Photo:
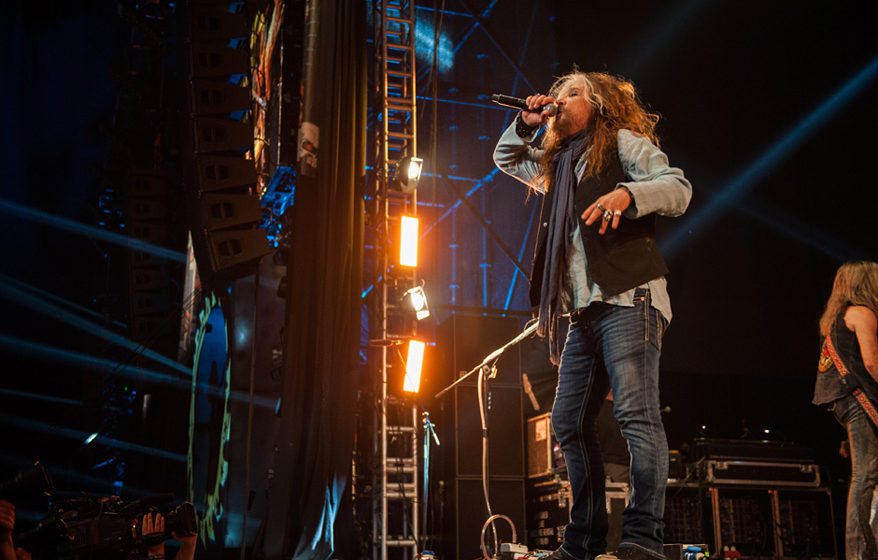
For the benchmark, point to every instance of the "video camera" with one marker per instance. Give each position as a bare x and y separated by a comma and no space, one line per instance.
105,527
26,485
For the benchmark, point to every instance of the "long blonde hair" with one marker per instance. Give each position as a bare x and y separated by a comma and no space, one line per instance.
856,283
615,105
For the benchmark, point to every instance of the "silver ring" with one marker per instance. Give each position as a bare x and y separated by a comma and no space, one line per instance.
601,208
617,212
608,215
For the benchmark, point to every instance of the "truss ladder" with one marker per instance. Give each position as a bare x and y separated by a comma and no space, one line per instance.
396,500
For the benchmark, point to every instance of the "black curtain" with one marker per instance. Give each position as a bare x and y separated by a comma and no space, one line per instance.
325,273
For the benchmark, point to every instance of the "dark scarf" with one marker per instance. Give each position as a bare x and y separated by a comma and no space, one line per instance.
561,225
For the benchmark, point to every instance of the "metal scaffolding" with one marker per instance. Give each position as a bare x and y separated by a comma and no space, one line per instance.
465,224
395,504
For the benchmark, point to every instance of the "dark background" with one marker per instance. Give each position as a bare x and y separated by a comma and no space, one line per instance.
767,107
733,81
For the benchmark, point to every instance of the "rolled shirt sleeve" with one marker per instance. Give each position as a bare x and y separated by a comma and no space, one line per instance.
516,157
654,184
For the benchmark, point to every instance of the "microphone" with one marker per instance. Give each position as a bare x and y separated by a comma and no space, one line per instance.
519,103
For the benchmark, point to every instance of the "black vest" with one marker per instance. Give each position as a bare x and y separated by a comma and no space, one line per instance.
847,345
617,261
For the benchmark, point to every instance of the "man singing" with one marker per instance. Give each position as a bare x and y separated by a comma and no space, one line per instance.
604,180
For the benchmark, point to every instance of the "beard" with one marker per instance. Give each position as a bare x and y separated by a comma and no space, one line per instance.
563,127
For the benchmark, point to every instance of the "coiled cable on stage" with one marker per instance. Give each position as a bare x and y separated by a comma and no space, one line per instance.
490,521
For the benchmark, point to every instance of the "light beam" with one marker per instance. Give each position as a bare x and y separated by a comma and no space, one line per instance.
757,170
90,231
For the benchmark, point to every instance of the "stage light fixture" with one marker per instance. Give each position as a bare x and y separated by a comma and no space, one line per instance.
413,363
408,241
408,173
416,299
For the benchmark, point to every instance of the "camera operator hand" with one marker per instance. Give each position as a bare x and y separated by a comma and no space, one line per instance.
153,525
187,548
151,528
7,524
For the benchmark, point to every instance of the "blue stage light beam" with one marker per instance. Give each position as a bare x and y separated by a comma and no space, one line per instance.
12,292
64,472
738,186
61,301
125,371
87,362
824,242
93,363
79,435
425,43
469,14
37,397
659,36
446,11
93,232
828,244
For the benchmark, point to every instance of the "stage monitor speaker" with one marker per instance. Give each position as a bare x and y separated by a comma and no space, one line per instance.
507,498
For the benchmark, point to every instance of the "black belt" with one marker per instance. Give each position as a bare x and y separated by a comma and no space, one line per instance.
578,314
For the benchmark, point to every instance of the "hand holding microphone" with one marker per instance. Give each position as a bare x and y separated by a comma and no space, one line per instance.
535,110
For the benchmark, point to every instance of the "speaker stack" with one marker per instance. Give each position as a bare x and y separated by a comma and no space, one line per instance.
223,201
737,499
465,341
741,499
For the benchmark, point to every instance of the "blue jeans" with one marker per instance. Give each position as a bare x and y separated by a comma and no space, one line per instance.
618,348
860,537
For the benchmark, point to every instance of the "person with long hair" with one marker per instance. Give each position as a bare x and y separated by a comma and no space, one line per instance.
847,382
603,179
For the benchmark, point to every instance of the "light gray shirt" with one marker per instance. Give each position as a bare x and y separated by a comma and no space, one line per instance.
654,186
